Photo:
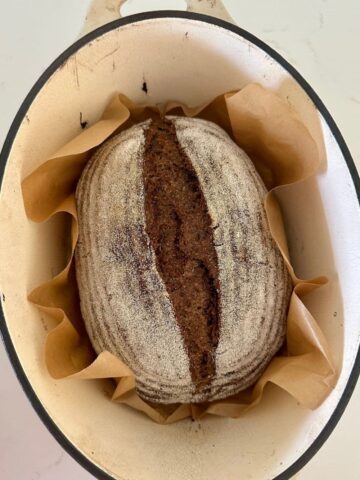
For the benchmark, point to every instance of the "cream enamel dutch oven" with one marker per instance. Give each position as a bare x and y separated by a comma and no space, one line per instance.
189,57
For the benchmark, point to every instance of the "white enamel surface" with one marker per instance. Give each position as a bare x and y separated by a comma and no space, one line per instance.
263,443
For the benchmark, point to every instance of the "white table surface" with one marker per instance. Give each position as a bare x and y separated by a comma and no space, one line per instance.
321,38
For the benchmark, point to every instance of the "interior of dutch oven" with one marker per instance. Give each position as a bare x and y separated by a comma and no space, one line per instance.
189,61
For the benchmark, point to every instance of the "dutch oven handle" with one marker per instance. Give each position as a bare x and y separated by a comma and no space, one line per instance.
104,11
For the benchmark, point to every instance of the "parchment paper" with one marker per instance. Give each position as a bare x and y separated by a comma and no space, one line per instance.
283,152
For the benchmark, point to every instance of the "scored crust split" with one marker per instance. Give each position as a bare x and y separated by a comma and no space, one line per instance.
178,273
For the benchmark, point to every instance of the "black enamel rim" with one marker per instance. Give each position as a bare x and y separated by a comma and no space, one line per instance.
36,403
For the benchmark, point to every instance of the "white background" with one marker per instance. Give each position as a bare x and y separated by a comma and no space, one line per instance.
321,38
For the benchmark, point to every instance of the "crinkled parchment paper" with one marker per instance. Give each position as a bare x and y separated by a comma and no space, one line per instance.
283,152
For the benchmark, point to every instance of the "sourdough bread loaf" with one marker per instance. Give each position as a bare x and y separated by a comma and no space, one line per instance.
177,271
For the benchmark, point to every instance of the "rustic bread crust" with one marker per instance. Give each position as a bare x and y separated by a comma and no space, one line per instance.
126,307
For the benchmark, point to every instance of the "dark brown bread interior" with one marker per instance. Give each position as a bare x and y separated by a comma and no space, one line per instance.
179,227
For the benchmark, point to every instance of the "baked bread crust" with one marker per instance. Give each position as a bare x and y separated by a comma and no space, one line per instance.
126,304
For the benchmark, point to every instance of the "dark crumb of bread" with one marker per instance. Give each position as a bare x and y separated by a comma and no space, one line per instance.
179,227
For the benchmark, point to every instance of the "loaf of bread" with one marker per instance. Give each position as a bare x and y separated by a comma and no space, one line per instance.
177,271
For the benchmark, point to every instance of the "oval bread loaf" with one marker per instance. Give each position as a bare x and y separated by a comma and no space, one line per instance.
177,271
